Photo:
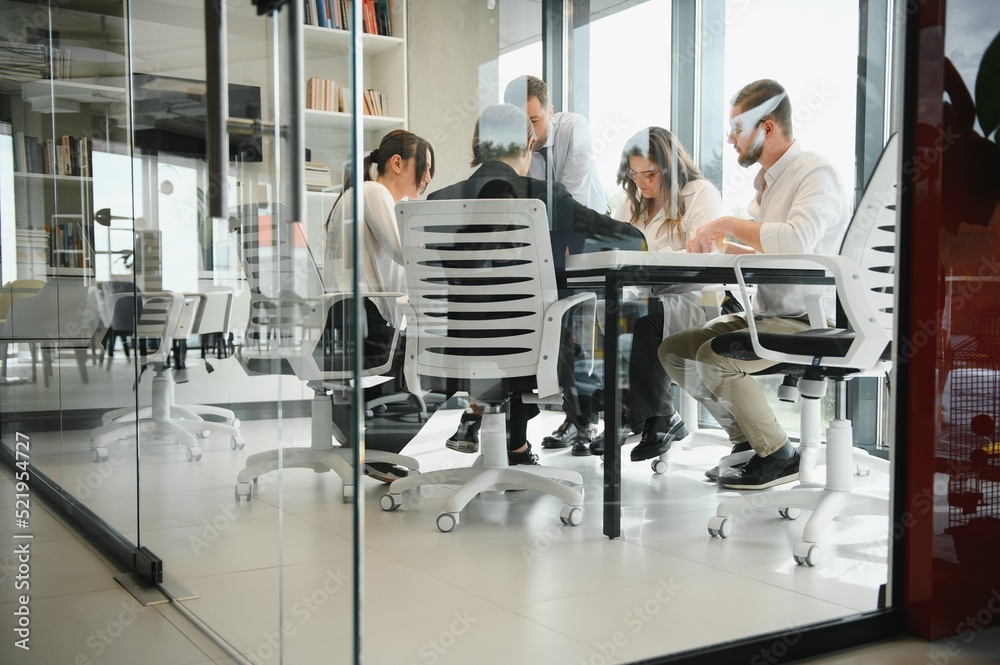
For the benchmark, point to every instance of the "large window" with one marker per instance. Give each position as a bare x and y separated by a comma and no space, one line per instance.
630,53
818,68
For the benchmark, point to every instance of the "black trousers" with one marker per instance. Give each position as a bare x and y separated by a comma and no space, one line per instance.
576,407
389,430
649,385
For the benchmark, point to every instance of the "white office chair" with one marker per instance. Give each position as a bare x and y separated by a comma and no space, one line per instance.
288,316
164,316
209,314
864,279
11,291
483,316
63,314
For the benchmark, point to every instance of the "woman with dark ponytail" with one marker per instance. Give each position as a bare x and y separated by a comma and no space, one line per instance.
399,168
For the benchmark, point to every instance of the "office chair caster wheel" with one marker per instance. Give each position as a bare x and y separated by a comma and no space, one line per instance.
204,434
659,467
388,502
806,553
243,491
720,527
100,454
348,493
789,513
447,521
571,515
237,443
193,454
235,423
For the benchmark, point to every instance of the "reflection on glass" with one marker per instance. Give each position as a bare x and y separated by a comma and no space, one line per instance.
225,347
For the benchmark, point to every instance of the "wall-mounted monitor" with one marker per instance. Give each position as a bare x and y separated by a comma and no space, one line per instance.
170,117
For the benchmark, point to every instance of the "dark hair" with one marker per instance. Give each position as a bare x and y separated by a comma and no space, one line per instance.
397,142
502,130
523,88
677,169
754,94
406,145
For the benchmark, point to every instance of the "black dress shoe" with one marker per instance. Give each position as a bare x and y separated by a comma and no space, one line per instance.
658,434
761,472
584,441
563,437
466,437
525,457
597,444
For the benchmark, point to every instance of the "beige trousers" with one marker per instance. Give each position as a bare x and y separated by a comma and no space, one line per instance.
724,385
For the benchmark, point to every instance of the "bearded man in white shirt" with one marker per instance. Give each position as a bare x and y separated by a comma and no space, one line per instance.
800,207
563,150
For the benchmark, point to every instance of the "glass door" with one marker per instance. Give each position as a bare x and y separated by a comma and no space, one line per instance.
68,368
254,514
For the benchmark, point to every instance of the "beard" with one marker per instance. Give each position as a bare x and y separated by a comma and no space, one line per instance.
753,153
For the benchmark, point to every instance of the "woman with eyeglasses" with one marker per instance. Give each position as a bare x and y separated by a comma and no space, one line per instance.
667,198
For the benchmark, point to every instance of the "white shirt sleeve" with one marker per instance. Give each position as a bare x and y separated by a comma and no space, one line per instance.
703,205
380,218
815,209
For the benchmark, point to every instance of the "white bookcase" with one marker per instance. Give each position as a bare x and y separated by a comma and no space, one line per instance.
328,133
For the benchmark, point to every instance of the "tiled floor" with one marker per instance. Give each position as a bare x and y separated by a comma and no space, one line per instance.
510,584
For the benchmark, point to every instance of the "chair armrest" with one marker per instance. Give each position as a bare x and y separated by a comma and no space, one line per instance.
303,360
410,374
870,338
814,309
547,377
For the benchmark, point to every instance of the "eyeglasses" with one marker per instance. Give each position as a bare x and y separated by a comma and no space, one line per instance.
642,176
737,128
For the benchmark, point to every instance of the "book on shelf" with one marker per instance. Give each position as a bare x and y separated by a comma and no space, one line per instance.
375,102
65,156
336,14
67,243
32,253
20,62
318,177
324,95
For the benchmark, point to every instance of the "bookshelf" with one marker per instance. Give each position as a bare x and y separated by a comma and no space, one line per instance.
60,109
328,132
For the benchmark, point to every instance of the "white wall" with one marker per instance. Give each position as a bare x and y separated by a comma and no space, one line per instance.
452,50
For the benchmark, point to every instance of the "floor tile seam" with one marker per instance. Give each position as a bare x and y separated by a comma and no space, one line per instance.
797,592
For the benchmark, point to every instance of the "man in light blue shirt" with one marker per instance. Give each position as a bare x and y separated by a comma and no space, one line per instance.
564,151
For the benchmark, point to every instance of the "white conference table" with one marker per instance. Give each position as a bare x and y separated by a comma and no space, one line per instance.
611,271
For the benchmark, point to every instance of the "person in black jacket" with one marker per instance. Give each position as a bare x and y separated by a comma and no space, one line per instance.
501,147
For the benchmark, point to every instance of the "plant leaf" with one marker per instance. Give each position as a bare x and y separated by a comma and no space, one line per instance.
988,88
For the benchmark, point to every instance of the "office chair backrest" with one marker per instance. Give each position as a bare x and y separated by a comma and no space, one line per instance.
870,240
213,315
280,278
119,313
480,278
162,317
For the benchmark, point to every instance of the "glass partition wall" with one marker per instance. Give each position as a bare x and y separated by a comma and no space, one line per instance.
66,253
268,353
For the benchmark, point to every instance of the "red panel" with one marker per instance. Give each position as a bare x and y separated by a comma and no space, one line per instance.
952,396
